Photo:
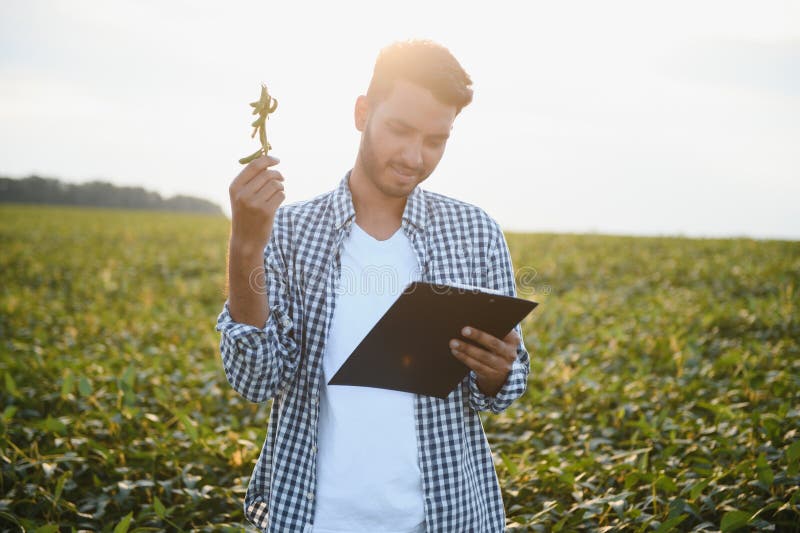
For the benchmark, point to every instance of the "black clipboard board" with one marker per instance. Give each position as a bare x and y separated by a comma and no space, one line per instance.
408,349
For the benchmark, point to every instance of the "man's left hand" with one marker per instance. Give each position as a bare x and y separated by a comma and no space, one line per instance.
492,361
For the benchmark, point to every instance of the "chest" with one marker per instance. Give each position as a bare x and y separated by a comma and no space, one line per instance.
321,270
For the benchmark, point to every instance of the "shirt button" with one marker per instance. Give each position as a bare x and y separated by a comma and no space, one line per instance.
310,495
313,449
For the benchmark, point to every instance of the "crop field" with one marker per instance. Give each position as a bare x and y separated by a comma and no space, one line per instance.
664,391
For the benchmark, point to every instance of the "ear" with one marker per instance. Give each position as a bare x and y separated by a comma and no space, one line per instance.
361,112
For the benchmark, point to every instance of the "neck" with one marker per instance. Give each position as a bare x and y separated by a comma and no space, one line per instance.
375,211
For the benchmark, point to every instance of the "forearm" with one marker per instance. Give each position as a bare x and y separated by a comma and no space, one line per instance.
247,292
260,354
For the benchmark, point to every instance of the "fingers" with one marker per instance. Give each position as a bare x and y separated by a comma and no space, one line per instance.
253,169
270,188
261,180
274,201
474,352
490,342
476,364
493,352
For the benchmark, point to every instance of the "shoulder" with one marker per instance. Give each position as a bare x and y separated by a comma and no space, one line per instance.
299,220
302,217
452,214
301,210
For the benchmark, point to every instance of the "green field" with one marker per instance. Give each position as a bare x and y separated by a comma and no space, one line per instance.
664,390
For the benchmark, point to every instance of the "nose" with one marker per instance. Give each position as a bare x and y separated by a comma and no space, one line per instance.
411,156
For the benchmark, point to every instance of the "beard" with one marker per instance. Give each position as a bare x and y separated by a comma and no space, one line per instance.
374,169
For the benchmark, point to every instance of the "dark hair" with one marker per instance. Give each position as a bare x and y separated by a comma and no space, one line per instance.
425,63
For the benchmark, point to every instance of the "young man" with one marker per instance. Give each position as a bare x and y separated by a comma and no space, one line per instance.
303,293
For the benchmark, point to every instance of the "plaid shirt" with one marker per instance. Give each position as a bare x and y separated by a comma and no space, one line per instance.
455,242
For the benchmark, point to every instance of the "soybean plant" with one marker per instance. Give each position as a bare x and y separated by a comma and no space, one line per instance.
265,105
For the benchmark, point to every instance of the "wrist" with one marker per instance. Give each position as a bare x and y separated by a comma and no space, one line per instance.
246,247
489,387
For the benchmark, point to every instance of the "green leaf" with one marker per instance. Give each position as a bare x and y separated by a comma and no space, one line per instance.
631,480
733,520
49,528
666,484
644,461
129,377
67,384
793,469
54,425
766,509
188,425
10,518
560,524
11,386
511,467
161,512
765,474
698,488
793,452
60,485
84,386
8,412
668,525
124,524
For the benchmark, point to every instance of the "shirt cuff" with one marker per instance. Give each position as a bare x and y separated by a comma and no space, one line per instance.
248,335
509,392
479,400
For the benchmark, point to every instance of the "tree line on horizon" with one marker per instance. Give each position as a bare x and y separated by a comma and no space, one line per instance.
39,190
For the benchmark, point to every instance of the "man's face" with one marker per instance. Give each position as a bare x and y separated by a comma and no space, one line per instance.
403,138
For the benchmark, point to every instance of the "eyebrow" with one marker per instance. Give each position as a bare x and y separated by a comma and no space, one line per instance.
406,125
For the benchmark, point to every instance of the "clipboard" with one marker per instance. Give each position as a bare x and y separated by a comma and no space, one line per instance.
408,349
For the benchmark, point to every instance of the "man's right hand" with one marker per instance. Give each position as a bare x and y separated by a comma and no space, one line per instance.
255,195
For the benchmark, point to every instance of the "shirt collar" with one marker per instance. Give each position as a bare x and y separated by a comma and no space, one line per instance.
342,205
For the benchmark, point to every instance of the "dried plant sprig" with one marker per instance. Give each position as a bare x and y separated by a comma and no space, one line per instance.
265,105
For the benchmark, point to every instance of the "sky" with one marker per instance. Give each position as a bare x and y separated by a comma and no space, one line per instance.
634,118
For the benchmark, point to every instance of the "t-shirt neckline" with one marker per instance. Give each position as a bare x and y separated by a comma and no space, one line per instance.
373,239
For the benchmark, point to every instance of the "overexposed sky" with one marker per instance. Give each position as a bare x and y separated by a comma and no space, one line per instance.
613,117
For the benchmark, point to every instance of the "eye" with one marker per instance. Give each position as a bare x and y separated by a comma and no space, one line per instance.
397,129
436,144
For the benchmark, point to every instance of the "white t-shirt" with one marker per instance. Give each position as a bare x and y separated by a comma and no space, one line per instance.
368,476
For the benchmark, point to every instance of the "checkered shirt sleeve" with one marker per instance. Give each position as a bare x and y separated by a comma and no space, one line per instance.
260,362
500,276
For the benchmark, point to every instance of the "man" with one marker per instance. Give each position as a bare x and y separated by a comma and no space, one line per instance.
302,296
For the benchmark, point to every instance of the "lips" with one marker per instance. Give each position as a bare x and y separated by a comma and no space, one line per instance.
404,172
